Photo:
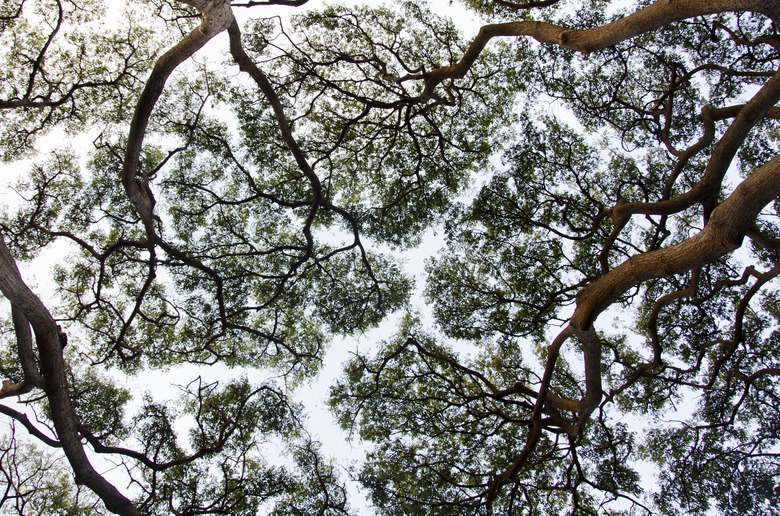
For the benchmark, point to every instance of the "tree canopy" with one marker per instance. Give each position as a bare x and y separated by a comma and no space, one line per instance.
206,198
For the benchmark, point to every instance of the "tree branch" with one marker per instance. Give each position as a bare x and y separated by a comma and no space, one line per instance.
53,370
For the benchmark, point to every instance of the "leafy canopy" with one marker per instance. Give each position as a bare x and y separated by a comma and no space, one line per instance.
219,220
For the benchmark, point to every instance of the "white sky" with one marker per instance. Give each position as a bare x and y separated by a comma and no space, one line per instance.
314,395
321,423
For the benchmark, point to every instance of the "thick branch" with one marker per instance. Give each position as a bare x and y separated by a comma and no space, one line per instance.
53,370
216,17
24,347
724,232
289,3
732,111
649,19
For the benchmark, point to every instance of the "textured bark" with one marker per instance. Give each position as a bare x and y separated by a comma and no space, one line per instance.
53,371
649,19
724,232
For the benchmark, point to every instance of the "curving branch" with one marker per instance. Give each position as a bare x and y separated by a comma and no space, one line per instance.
553,351
53,371
728,225
649,19
247,65
216,16
708,188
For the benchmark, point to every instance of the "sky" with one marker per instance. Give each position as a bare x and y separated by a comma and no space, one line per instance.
314,394
336,443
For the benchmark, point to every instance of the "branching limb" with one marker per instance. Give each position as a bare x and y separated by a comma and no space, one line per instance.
215,20
649,19
553,350
728,224
53,371
706,191
246,64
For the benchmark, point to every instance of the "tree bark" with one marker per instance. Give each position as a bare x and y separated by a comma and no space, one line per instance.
649,19
53,371
726,228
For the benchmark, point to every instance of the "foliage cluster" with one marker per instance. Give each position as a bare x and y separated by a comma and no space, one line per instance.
584,160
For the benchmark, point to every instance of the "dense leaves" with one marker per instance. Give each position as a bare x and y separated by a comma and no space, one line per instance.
574,198
200,211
